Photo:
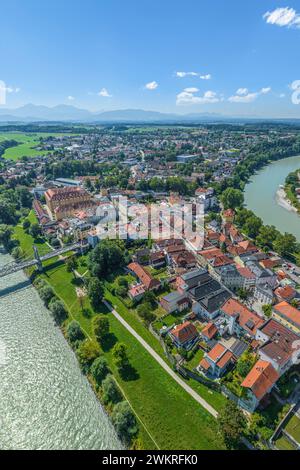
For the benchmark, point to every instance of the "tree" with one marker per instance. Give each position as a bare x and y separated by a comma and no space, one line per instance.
120,356
106,258
111,392
100,328
46,293
87,352
124,421
232,424
99,369
35,230
58,310
285,245
252,226
245,363
95,292
145,311
267,235
72,264
74,332
232,198
26,224
25,197
5,235
17,253
267,309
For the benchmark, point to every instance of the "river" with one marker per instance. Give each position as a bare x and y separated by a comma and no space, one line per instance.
45,401
261,196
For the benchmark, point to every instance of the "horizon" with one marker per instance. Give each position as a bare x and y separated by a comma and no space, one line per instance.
230,60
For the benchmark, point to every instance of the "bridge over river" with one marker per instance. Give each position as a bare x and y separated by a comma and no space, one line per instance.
14,267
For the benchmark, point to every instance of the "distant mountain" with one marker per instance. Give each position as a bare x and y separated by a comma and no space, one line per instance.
33,113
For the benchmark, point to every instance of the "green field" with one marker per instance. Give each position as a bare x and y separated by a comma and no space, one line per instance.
27,144
284,444
171,418
26,240
293,428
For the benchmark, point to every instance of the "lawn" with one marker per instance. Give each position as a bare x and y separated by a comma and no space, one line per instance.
284,444
194,362
293,428
27,241
170,415
27,144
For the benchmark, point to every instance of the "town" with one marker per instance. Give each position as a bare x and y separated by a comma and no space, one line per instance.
224,310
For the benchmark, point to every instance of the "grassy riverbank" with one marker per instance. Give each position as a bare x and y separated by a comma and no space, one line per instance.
169,418
292,182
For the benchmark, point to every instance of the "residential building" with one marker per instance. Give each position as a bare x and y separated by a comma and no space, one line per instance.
259,382
288,316
145,278
175,302
241,320
216,362
63,202
184,335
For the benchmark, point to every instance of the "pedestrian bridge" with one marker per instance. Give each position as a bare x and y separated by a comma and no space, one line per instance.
14,267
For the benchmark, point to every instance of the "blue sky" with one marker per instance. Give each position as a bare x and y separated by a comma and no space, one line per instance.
101,54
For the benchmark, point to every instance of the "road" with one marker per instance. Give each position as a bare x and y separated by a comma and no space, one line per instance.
163,364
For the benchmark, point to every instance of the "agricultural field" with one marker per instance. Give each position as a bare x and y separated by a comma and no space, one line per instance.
27,144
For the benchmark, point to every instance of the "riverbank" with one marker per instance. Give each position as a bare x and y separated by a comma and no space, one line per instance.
152,394
262,198
283,201
45,401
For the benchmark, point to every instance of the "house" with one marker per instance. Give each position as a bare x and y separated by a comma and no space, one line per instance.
208,305
280,345
157,259
229,215
145,278
184,259
258,383
262,275
191,279
142,256
241,320
175,301
184,335
136,293
216,362
286,293
288,316
264,294
209,331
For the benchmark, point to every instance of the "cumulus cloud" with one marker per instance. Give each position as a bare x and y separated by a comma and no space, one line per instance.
283,17
104,93
244,96
193,74
151,85
71,98
188,96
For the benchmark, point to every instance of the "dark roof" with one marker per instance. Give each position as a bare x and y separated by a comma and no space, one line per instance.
205,289
214,301
281,341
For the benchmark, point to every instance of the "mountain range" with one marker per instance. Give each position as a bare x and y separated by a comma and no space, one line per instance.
33,113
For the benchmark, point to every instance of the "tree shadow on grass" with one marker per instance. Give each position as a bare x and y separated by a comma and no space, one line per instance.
129,374
108,342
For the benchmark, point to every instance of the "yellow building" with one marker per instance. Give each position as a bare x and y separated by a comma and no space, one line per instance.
288,316
63,202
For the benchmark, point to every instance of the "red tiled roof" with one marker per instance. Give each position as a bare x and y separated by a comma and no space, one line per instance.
204,364
225,359
261,378
210,330
184,332
216,352
289,312
146,279
286,292
244,315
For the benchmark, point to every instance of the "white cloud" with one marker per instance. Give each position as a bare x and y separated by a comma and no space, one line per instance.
193,74
187,96
151,85
244,96
10,89
206,77
104,93
242,91
283,17
71,98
